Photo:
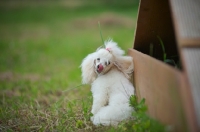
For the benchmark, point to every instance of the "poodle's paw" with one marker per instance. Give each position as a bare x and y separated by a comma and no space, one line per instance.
95,109
92,118
97,120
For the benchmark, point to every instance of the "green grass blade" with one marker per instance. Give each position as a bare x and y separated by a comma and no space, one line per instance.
163,48
100,32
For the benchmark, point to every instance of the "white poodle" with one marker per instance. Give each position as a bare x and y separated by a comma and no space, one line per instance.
108,72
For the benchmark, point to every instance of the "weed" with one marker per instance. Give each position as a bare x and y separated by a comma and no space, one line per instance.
140,121
167,59
101,33
163,48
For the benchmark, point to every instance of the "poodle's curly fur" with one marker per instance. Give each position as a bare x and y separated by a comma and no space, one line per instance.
108,72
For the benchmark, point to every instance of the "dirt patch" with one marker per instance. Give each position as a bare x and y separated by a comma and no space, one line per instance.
106,20
10,76
6,76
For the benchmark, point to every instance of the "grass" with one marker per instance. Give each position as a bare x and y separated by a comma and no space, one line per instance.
167,59
42,45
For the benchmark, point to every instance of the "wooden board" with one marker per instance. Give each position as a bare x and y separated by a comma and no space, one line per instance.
160,85
186,17
192,67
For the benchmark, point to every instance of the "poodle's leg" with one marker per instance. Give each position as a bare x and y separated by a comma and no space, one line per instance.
98,102
112,114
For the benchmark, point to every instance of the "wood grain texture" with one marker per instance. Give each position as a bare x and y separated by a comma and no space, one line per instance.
192,67
186,17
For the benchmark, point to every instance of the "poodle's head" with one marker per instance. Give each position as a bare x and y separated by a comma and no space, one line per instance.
103,60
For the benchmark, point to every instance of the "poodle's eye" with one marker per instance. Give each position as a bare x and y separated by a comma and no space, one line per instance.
107,63
98,59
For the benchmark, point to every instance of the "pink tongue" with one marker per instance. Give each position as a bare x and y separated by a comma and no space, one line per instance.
100,68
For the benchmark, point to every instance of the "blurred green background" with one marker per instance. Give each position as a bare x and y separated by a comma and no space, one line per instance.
42,43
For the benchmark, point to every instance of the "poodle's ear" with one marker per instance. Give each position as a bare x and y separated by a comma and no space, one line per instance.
125,65
112,47
87,68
